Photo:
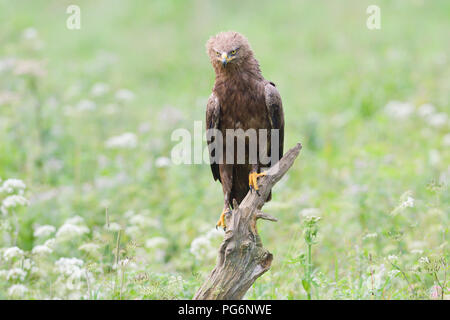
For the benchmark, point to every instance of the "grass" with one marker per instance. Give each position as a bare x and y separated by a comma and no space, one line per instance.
370,108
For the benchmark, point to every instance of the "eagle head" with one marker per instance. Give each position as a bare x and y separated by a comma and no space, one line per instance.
227,49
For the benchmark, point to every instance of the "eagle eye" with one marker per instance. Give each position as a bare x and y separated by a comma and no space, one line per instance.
233,52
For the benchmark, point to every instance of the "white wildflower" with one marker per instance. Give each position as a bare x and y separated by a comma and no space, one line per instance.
142,221
406,201
138,220
113,226
86,105
44,231
11,253
123,262
175,283
202,248
438,120
17,290
70,266
398,109
417,245
13,185
41,250
392,258
89,247
7,97
132,230
34,68
156,242
99,89
424,260
426,110
68,230
355,189
13,202
393,273
214,233
370,235
440,58
16,274
144,127
124,95
103,183
7,64
444,177
54,165
409,202
111,108
75,220
30,33
446,140
173,279
50,243
434,157
170,116
28,264
162,162
310,212
127,140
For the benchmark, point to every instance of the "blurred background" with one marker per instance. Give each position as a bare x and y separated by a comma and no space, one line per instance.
92,207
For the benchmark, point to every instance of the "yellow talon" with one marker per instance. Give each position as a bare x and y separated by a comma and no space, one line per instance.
221,222
253,180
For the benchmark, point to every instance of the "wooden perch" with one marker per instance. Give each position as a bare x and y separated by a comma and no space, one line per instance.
242,257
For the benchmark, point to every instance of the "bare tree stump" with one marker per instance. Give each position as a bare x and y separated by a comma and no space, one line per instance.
242,257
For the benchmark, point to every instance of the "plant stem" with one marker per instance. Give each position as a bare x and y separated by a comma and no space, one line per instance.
121,281
308,274
117,257
16,232
88,285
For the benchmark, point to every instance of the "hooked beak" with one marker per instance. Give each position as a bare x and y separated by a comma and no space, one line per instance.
224,59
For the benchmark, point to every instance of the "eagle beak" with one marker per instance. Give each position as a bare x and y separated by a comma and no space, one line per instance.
224,59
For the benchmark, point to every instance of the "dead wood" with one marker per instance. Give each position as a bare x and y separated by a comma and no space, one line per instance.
242,257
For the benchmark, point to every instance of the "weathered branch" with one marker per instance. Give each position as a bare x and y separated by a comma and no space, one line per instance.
242,258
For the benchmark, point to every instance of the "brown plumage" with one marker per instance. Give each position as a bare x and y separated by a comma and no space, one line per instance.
241,99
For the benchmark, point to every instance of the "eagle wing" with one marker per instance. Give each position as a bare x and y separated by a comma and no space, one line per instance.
275,112
212,122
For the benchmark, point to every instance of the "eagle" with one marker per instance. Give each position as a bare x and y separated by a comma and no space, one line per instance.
241,99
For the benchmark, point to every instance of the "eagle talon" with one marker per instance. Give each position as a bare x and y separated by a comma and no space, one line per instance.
253,181
221,222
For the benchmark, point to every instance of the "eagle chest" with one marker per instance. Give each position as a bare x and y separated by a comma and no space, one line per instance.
243,108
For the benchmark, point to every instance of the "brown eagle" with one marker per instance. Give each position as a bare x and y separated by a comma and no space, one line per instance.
241,99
